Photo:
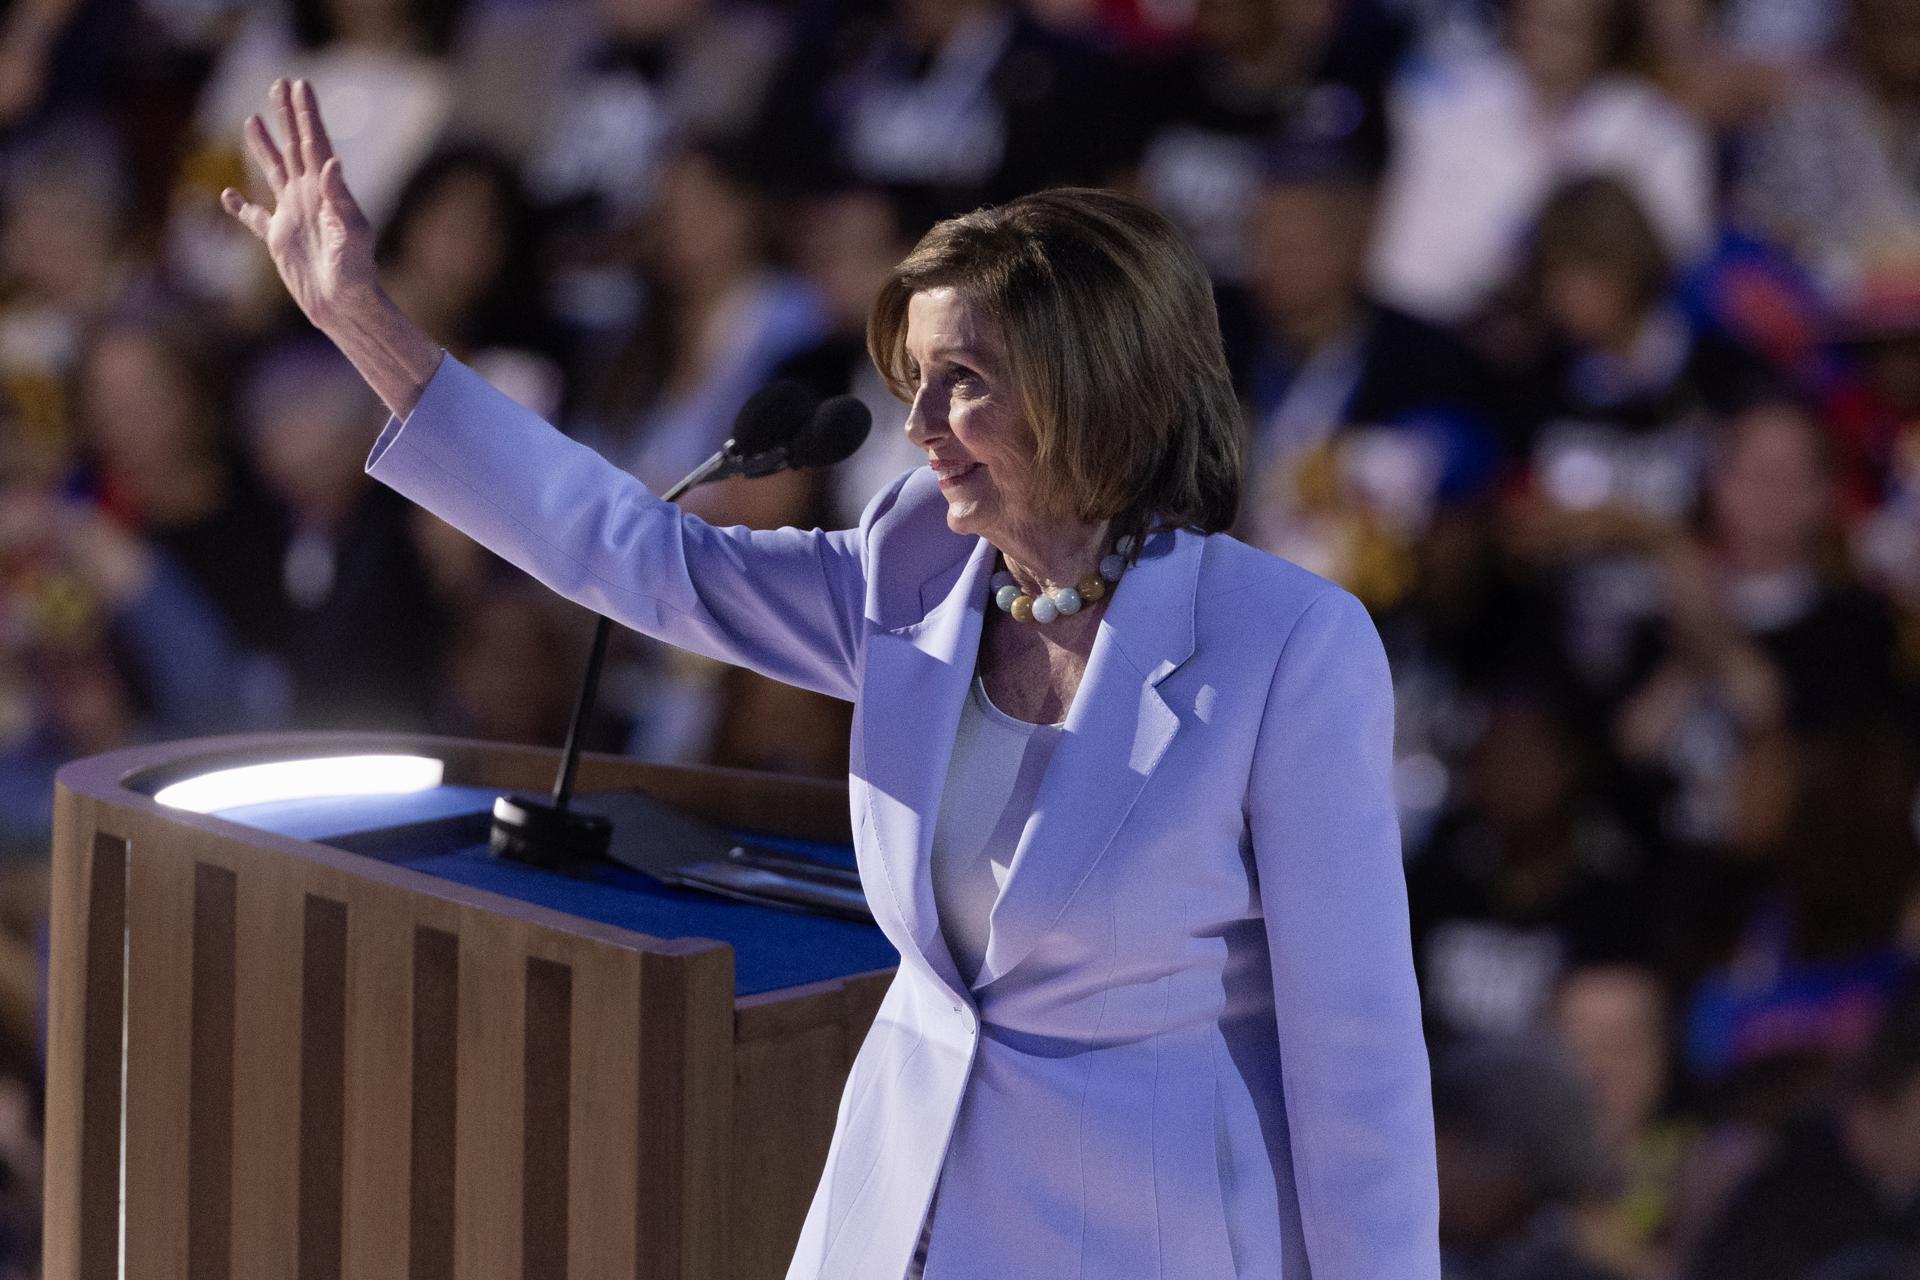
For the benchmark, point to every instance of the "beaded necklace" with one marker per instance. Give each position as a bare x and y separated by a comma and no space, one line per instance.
1061,601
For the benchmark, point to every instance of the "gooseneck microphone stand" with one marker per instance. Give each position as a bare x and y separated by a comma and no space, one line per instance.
778,429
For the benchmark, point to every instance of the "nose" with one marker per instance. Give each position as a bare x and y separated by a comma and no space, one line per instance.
924,422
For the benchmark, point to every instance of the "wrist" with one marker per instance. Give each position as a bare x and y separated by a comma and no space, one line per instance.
393,354
353,310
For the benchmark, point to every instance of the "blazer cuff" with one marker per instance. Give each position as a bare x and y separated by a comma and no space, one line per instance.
394,456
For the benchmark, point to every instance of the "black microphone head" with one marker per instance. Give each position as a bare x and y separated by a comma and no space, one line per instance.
836,429
771,417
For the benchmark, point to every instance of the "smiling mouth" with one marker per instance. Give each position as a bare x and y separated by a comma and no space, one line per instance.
951,471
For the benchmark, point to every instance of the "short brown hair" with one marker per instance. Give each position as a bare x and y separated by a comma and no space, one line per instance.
1597,220
1114,347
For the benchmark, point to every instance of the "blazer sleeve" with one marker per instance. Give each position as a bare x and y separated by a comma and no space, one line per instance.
1326,843
787,603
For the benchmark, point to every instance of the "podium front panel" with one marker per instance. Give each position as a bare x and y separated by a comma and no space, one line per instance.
416,1061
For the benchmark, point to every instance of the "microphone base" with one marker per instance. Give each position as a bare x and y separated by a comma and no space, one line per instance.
536,831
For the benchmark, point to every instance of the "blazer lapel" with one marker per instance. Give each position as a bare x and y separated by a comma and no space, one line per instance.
915,685
1117,730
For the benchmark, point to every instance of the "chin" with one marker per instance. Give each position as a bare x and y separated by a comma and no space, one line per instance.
964,517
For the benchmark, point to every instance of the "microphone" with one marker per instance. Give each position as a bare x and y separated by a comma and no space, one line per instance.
763,431
837,429
779,428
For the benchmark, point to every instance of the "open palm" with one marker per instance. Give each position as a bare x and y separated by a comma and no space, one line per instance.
320,241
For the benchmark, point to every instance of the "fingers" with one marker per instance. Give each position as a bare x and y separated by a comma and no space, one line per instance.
250,215
318,146
289,128
333,185
265,153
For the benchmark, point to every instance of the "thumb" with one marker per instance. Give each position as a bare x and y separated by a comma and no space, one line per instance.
250,215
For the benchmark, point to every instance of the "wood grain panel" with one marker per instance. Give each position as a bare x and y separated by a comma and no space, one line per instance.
605,1096
104,1055
547,1106
488,1151
87,970
210,1115
323,1086
792,1052
379,1101
436,1057
786,1096
159,1057
269,944
686,1110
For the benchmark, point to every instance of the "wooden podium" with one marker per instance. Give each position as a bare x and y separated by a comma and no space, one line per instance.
309,1063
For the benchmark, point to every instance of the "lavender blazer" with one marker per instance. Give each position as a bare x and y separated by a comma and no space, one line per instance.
1193,1050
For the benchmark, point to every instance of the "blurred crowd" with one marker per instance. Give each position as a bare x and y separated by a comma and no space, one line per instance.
1579,338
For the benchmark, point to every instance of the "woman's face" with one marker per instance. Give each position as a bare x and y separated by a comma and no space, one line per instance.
1591,303
1612,1022
377,23
139,411
966,415
1770,492
1309,243
1557,42
705,227
459,238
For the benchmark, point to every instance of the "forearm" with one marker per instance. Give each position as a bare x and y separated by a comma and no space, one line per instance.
392,353
786,603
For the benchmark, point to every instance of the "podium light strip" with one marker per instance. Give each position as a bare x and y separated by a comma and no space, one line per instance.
366,775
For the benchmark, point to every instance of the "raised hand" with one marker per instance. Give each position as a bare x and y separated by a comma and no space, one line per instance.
320,241
322,246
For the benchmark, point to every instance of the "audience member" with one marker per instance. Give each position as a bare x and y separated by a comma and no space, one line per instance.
1806,936
67,258
508,678
1258,74
380,66
1516,1154
1530,874
364,642
1844,1186
105,644
948,103
1613,391
1364,420
1480,140
1761,634
159,454
50,55
1612,1020
845,243
1832,171
461,253
720,317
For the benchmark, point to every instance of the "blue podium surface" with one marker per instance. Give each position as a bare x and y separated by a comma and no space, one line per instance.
442,832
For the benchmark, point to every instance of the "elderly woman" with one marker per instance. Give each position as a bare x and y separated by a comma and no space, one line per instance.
1120,784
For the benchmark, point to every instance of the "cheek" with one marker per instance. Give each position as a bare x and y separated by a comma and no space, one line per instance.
993,435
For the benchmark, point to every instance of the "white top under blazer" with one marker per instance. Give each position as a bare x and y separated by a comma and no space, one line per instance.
992,783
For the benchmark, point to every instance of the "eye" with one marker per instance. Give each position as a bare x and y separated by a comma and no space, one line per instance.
963,377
